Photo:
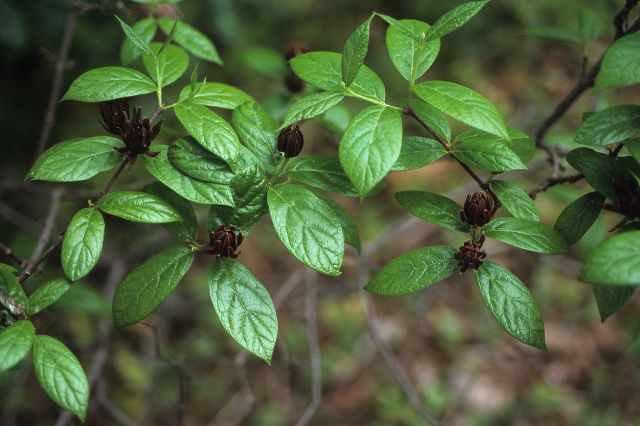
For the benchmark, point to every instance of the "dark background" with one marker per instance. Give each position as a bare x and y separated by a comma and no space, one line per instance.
463,366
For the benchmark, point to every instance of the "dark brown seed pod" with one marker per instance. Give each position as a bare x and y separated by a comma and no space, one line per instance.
290,141
478,209
224,242
470,255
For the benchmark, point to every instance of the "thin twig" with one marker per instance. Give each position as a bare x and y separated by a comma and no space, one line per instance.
7,251
40,252
115,176
411,113
56,86
311,303
116,414
551,182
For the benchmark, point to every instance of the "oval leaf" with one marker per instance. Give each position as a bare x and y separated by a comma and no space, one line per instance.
432,208
191,39
414,271
576,219
210,130
323,172
191,189
417,152
621,65
610,126
144,288
355,50
463,104
257,130
244,307
82,244
46,295
411,57
168,65
615,261
138,207
515,200
77,159
216,95
146,29
370,147
61,375
15,343
610,299
454,19
187,228
308,227
510,302
527,235
107,83
193,160
311,106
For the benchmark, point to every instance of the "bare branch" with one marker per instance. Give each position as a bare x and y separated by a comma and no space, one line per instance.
311,303
56,86
7,251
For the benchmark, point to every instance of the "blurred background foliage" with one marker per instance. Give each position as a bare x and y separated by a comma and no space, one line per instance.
463,366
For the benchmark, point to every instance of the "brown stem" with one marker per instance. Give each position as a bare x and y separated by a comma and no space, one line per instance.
56,86
411,113
551,182
115,176
156,113
7,251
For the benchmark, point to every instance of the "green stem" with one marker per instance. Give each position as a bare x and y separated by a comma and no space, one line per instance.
279,170
352,94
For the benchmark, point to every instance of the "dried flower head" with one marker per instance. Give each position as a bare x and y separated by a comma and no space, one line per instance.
290,141
224,242
478,209
114,114
470,255
137,134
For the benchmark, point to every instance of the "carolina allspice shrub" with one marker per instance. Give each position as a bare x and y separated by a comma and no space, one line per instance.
255,166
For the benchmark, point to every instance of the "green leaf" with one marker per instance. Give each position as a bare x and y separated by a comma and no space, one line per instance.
411,56
257,130
432,208
265,61
61,375
602,171
527,235
217,95
172,62
355,50
348,223
518,142
323,172
138,207
191,39
46,295
578,217
492,157
82,244
15,343
515,200
432,117
417,152
633,146
311,106
191,159
12,295
615,261
144,288
244,307
553,33
185,230
136,39
250,196
620,65
146,30
77,159
609,126
611,298
210,130
463,104
308,227
191,189
370,146
108,83
414,271
323,70
399,25
454,19
509,301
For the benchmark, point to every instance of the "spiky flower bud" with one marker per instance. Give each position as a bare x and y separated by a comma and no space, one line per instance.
470,255
478,209
290,141
224,242
114,114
